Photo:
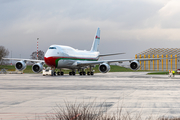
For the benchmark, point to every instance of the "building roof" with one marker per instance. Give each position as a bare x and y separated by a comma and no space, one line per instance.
160,52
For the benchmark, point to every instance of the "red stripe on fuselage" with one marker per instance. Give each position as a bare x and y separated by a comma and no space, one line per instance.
51,61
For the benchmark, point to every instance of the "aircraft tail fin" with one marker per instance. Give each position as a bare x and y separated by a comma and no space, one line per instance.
95,44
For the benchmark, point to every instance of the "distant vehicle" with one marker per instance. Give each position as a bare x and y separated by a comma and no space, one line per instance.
47,71
60,57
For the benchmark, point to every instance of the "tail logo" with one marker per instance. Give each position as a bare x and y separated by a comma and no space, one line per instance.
97,37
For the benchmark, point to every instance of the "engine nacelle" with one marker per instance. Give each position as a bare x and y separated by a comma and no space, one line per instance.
38,67
104,68
20,65
134,65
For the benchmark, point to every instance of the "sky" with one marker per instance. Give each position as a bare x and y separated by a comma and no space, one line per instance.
129,26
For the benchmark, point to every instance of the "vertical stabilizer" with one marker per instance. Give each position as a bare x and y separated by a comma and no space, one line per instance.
96,41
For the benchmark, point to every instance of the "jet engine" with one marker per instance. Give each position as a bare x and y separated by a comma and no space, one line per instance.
20,65
134,65
38,67
104,68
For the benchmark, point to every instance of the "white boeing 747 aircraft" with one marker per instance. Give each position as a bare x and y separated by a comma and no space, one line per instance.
59,56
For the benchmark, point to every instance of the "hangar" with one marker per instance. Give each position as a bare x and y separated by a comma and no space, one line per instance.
171,63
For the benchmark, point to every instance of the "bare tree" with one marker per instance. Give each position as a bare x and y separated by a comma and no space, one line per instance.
40,55
3,53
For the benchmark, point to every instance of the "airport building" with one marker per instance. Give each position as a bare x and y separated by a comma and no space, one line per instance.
171,63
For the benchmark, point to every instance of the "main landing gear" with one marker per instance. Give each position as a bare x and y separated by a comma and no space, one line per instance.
72,73
58,73
82,72
90,73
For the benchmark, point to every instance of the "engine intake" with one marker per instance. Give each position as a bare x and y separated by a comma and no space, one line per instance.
104,68
134,65
38,67
20,65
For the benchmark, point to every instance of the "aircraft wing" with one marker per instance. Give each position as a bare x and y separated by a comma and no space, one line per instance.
84,63
25,60
102,55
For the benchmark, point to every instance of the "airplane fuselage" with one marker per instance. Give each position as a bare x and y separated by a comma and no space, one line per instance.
59,56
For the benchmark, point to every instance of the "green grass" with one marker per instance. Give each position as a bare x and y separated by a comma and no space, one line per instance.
159,73
8,67
12,68
114,68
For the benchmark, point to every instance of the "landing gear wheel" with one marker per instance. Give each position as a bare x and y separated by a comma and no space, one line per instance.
92,73
80,73
84,73
54,73
73,73
70,73
88,73
62,73
58,73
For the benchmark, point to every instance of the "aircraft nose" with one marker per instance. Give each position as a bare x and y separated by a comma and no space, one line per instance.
50,61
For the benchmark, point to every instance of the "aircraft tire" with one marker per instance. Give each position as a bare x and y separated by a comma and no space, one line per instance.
70,73
73,73
54,73
62,73
58,73
92,73
88,73
84,73
80,73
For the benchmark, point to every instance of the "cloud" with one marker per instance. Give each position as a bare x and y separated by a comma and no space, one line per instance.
169,15
74,23
128,13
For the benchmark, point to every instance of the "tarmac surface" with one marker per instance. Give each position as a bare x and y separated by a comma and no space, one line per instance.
34,97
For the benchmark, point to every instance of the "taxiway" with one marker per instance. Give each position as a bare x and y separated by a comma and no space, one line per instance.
33,96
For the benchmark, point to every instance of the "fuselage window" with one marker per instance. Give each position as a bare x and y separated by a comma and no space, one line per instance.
52,47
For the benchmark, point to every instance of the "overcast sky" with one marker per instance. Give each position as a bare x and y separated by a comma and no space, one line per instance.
129,26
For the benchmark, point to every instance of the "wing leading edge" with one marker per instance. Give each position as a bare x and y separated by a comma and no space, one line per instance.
84,63
25,60
102,55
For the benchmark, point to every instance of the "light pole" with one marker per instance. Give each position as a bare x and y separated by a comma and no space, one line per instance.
37,48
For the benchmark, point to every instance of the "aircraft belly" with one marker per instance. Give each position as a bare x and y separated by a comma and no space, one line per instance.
65,63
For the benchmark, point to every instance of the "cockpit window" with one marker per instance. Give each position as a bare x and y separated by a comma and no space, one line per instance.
52,47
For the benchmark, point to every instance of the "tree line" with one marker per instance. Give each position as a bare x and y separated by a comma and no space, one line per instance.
5,53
